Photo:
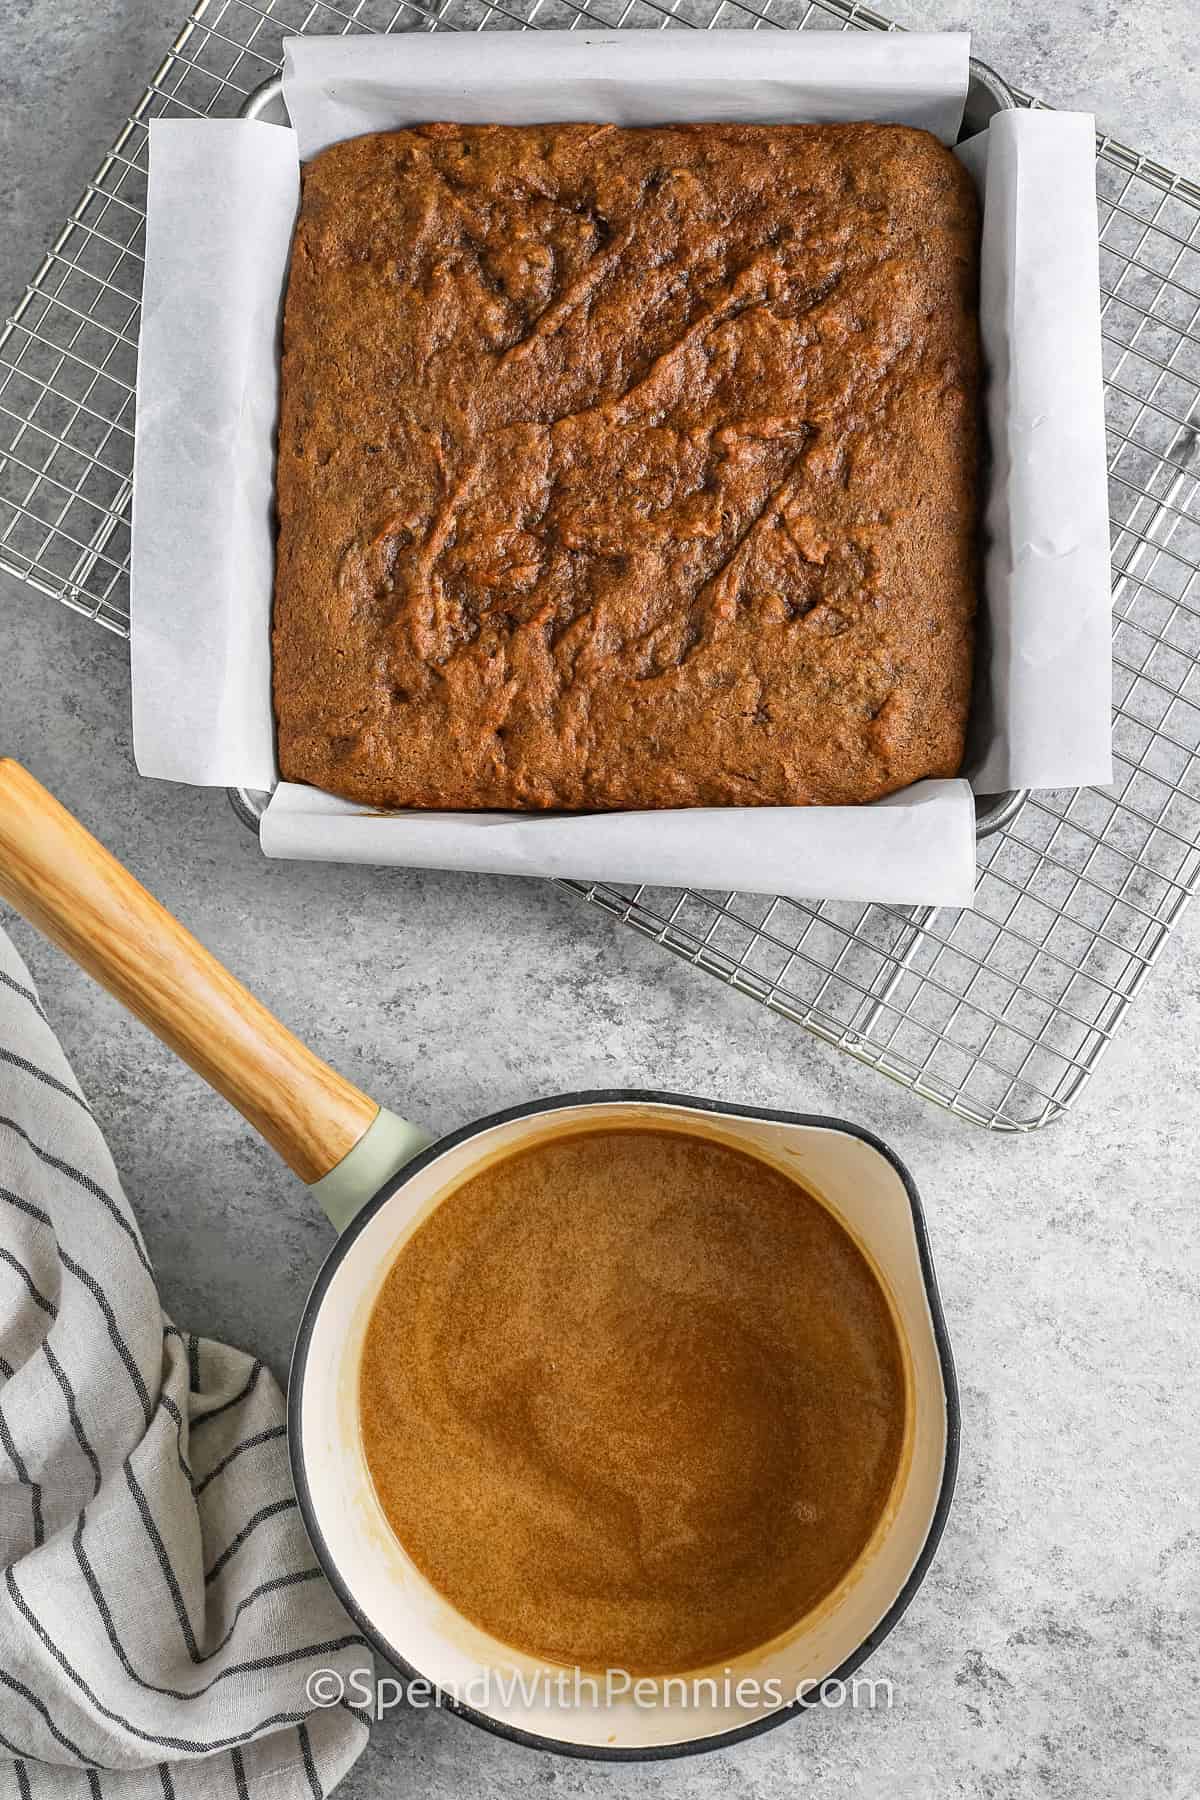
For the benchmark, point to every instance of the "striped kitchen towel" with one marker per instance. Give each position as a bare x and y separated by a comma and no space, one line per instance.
161,1611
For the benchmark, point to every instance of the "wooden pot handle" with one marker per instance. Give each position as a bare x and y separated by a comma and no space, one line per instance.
64,882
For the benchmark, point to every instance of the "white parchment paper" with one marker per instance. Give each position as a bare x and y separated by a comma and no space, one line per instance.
341,87
1045,698
759,849
220,211
203,536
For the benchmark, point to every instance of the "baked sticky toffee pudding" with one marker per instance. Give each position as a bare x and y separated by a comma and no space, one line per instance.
626,467
633,1399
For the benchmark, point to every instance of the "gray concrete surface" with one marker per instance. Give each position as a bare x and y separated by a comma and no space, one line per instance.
1052,1649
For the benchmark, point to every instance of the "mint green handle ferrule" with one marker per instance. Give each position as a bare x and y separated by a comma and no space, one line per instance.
384,1147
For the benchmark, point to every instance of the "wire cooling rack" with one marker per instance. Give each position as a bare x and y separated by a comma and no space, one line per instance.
999,1014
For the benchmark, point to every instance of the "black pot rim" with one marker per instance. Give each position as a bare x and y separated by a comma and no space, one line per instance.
635,1096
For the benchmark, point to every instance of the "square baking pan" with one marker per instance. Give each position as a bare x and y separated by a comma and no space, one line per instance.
987,95
999,1014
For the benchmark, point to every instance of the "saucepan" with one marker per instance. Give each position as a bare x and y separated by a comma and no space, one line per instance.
378,1178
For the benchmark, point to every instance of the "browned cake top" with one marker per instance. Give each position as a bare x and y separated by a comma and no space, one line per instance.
626,468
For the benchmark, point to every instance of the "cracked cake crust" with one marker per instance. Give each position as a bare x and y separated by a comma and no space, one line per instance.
628,467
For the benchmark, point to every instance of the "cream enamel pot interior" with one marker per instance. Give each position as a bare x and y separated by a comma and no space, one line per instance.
379,1178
